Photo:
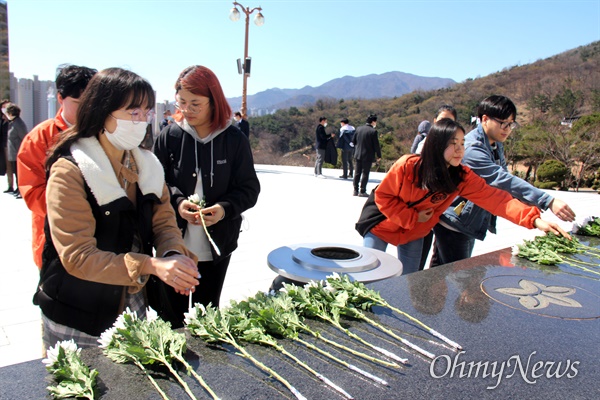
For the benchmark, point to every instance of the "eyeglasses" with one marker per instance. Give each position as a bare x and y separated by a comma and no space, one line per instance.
190,108
506,124
138,115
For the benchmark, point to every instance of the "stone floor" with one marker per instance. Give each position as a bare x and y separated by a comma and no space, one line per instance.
293,207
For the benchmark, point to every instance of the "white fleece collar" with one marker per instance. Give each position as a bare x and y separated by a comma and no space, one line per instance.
100,177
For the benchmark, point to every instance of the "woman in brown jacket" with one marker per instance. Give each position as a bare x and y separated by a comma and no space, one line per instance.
108,208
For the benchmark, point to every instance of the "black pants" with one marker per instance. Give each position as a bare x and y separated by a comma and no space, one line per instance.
171,305
347,165
450,246
361,174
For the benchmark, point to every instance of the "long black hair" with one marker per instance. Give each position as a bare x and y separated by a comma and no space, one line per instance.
108,91
432,170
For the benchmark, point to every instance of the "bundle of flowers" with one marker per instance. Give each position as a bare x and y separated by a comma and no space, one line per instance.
361,297
311,302
73,378
590,226
552,249
214,326
146,342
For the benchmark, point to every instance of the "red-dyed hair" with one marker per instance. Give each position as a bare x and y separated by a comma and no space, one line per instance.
201,81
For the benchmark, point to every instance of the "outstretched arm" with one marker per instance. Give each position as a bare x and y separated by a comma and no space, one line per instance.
546,226
562,210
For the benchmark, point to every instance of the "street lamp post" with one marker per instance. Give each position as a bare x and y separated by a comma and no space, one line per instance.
259,20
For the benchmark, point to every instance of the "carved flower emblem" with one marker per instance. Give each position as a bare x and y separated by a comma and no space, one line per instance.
535,296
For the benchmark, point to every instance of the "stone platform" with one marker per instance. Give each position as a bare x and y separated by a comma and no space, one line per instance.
527,331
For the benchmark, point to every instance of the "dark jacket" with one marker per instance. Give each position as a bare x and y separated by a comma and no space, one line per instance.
233,184
244,127
366,143
3,141
322,137
92,307
345,140
331,153
17,130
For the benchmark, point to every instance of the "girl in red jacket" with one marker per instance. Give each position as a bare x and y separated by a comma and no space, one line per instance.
417,190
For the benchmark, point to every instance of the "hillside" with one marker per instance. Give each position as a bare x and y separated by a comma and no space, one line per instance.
546,91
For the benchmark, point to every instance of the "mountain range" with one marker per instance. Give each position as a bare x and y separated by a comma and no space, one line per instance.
373,86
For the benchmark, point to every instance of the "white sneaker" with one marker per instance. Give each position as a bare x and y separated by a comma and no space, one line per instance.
321,176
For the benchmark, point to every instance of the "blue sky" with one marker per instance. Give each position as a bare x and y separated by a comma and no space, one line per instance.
301,43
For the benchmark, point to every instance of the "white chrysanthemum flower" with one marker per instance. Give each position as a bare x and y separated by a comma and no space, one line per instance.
51,355
329,288
120,322
106,337
335,276
194,198
576,227
515,250
151,314
311,284
283,290
189,316
69,345
587,220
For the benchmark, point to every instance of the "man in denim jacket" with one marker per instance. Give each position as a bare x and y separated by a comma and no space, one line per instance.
463,221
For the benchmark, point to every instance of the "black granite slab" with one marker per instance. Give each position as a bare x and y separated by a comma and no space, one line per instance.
534,332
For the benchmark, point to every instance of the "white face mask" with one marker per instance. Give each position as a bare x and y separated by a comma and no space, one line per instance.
127,135
325,124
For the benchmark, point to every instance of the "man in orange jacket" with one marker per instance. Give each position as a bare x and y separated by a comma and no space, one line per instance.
71,81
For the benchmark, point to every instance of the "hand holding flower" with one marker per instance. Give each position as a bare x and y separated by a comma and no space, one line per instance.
212,214
215,211
188,210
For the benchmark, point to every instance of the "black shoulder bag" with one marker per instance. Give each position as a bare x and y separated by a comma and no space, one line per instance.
371,216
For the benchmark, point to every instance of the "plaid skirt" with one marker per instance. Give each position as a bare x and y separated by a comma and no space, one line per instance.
53,332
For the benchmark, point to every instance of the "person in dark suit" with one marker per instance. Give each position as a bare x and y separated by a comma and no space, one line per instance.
242,123
366,147
16,133
4,164
322,139
345,144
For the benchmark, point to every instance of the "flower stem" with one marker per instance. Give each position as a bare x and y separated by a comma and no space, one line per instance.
248,356
214,245
397,337
582,267
427,328
344,363
356,353
361,340
315,373
577,261
198,377
154,383
181,381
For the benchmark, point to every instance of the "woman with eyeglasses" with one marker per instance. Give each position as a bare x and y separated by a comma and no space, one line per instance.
417,190
204,154
108,208
463,222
